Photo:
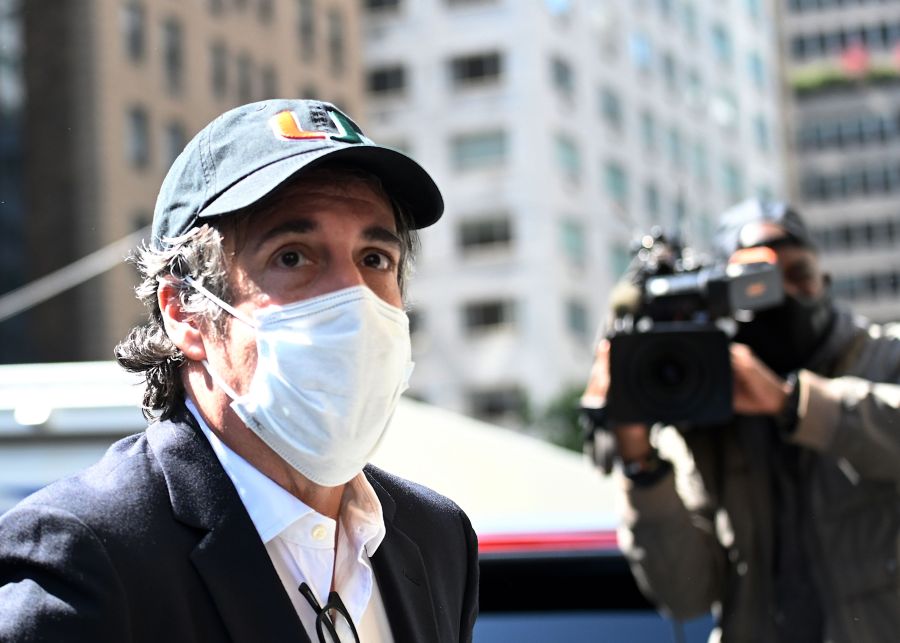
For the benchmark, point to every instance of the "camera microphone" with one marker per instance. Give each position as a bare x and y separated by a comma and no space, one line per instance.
625,299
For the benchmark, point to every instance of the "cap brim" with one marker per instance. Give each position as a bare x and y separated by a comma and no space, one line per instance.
403,179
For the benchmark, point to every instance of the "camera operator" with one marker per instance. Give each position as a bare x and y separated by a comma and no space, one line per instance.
785,521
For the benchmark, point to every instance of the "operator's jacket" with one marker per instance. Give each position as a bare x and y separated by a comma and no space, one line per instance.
705,535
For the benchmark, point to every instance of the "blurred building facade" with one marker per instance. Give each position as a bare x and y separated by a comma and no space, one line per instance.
842,65
108,93
12,207
558,130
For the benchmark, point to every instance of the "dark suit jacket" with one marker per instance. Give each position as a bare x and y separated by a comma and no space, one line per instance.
153,544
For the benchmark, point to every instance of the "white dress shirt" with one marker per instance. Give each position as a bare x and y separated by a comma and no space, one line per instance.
301,543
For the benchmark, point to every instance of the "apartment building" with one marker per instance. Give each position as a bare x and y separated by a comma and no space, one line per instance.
109,91
842,65
558,131
12,215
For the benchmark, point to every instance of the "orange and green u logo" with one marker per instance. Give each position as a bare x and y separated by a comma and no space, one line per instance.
285,124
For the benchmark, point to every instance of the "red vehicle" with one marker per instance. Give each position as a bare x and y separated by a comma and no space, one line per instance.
567,586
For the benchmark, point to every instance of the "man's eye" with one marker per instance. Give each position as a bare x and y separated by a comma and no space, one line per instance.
290,259
378,260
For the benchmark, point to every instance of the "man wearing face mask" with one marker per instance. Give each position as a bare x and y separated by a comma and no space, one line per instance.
274,356
786,522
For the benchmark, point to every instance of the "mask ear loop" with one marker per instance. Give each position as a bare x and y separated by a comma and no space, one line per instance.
234,312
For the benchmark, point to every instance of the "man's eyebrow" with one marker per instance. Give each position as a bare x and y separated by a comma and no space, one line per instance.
380,233
296,226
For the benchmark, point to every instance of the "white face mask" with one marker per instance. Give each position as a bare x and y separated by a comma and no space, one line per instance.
329,373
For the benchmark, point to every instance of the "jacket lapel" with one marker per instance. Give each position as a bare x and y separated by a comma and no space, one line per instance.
402,579
229,557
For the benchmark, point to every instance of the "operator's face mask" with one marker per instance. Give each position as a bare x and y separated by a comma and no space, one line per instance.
329,373
786,336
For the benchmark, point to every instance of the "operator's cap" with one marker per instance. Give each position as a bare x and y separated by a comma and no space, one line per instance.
734,225
249,151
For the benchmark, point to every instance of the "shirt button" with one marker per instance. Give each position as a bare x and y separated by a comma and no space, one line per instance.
319,532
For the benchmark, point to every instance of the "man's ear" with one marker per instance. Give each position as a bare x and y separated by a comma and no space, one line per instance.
183,329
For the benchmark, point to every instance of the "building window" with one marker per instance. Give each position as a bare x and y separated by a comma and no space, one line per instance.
853,182
132,18
401,145
477,151
651,199
498,404
175,142
754,9
563,77
577,319
761,134
757,70
386,81
640,50
489,315
138,139
724,109
269,81
694,88
616,181
245,78
336,42
620,258
721,44
679,212
574,245
173,55
491,233
306,28
308,91
141,220
218,56
732,181
648,130
382,5
265,11
689,19
476,69
568,158
854,130
670,71
675,147
416,320
611,108
700,162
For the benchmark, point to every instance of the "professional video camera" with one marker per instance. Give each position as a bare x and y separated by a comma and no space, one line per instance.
672,319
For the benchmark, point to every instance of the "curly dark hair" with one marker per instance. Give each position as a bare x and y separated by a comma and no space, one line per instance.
200,254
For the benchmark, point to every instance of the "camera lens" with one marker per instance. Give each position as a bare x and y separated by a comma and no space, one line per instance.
670,373
667,372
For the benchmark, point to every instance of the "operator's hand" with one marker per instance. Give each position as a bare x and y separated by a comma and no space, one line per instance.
757,390
632,440
594,395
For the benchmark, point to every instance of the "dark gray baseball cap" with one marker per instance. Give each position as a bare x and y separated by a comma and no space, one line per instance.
733,222
249,151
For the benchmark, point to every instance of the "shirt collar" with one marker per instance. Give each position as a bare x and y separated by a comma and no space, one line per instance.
273,509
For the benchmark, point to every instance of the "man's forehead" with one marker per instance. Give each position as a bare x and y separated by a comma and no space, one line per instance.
761,233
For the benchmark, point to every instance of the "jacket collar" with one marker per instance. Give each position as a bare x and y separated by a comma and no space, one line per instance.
229,555
846,328
235,566
401,574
